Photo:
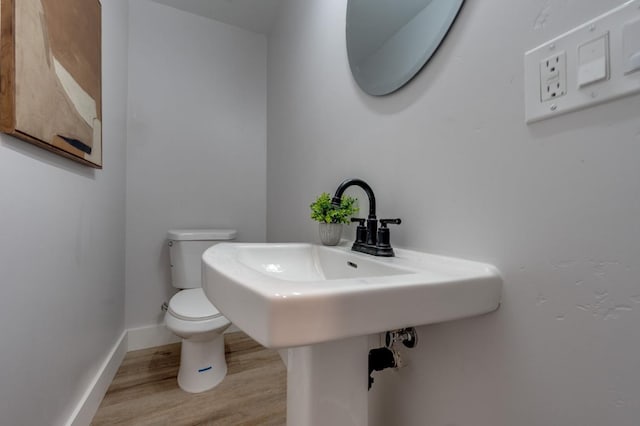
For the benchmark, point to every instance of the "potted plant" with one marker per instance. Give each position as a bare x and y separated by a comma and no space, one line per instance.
331,217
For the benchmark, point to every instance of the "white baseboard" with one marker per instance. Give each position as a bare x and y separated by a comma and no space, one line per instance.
149,337
232,329
131,340
90,401
156,335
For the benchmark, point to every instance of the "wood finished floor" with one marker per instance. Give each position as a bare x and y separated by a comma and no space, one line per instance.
145,389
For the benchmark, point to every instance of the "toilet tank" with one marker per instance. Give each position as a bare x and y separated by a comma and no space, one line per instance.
185,253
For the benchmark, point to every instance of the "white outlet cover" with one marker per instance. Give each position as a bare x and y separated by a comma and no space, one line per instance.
616,86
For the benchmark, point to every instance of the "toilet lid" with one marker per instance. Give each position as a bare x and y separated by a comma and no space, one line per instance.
192,305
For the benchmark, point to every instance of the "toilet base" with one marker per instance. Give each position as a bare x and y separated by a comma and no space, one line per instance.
202,364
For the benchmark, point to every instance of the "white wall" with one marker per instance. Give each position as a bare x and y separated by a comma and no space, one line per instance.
555,206
62,257
196,154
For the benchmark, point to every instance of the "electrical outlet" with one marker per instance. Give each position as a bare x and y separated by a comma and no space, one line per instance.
553,77
583,78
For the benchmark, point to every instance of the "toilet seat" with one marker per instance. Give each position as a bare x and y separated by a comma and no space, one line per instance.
192,305
191,316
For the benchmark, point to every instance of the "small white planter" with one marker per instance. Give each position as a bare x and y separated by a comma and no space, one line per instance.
330,233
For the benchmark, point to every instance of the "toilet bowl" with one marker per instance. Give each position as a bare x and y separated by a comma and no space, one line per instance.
191,316
201,326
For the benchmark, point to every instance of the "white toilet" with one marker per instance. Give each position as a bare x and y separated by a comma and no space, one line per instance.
191,315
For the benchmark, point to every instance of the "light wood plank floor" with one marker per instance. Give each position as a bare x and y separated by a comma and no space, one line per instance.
145,391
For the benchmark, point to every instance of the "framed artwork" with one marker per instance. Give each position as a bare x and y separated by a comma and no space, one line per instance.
50,75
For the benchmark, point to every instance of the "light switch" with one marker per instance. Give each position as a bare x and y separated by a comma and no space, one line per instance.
593,61
631,46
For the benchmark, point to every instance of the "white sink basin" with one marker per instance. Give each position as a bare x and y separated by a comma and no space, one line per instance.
287,295
322,302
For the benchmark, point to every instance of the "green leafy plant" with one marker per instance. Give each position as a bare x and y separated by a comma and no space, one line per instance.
323,211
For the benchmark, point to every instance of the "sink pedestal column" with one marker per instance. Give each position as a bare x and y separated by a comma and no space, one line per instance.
327,383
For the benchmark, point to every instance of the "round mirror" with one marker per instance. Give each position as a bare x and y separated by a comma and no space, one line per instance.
389,41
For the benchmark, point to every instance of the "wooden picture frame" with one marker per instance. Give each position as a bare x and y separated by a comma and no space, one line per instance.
51,76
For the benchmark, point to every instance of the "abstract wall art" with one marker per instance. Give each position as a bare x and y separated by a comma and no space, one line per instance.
50,76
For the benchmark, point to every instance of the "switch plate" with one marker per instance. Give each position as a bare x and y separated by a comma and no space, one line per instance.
590,88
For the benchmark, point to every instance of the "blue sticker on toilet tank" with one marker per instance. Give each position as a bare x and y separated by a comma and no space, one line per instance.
202,370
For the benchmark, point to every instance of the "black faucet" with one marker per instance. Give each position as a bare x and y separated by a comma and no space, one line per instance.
369,239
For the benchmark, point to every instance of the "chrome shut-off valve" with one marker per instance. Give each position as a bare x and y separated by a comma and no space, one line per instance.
388,356
407,336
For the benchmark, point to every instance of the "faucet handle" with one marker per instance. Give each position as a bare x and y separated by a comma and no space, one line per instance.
358,219
383,233
384,222
361,232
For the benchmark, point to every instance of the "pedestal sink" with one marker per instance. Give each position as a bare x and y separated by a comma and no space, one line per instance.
323,302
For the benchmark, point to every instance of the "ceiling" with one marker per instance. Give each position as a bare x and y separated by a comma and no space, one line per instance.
254,15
